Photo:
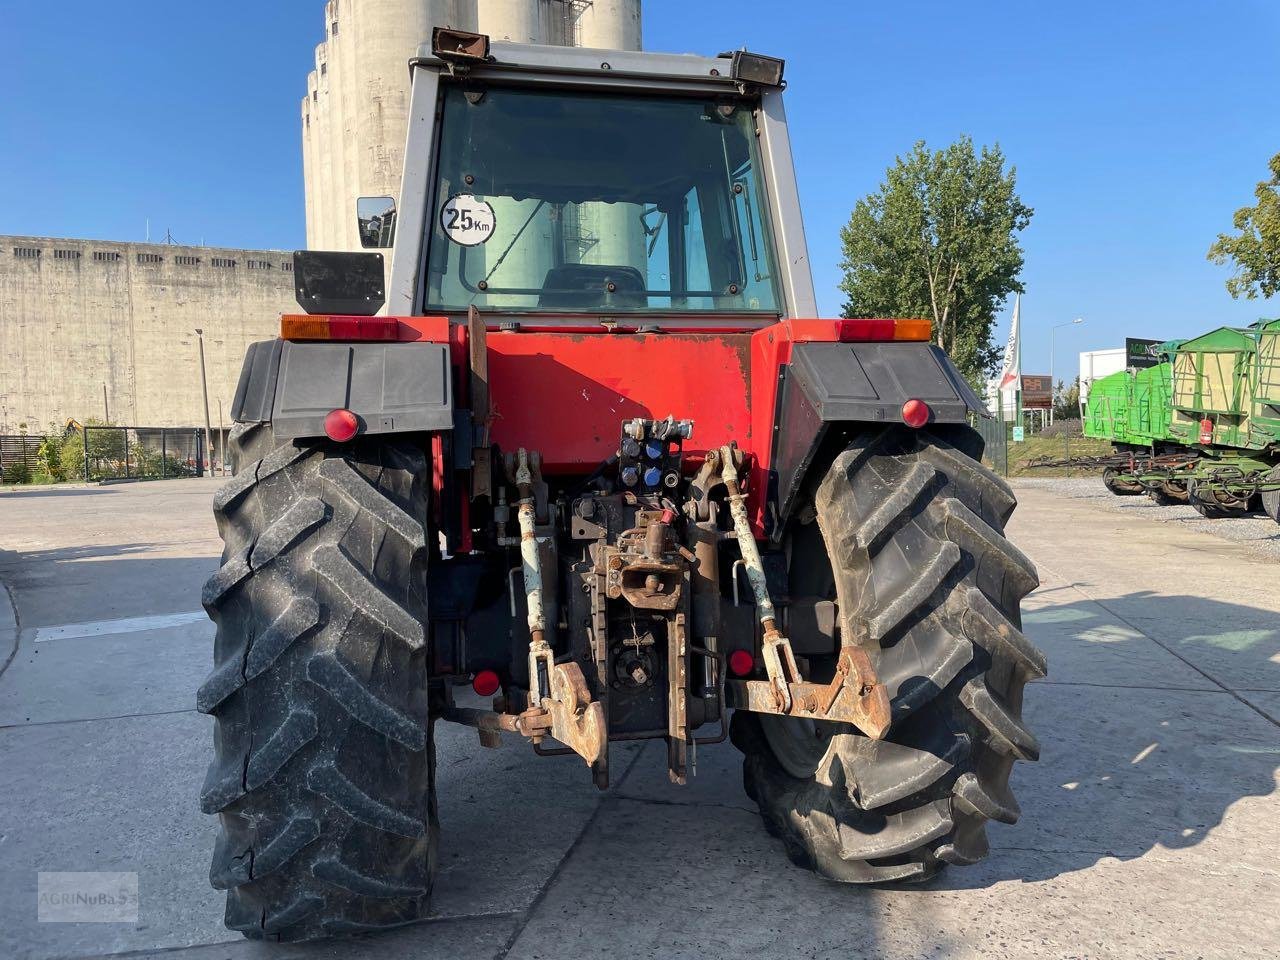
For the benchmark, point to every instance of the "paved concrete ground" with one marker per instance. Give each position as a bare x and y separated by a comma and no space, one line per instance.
1255,530
1150,827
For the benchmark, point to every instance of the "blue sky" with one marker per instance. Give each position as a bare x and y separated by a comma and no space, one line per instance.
1137,128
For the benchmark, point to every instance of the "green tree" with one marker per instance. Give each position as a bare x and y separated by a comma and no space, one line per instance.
939,240
1066,401
1255,249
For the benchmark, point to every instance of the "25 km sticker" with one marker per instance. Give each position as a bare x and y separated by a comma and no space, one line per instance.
467,220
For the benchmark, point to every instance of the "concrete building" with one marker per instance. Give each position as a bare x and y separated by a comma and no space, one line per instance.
355,112
76,315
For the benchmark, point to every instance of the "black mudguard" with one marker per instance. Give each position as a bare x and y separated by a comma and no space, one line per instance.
834,385
391,387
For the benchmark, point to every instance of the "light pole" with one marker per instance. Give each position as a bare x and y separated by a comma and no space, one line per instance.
204,387
1053,383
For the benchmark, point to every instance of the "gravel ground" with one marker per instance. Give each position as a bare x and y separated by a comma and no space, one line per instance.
1257,531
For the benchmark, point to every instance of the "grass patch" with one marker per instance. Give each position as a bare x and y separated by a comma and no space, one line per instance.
1056,448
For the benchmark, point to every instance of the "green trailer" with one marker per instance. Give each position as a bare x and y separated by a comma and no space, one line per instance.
1220,382
1202,427
1131,408
1213,389
1265,415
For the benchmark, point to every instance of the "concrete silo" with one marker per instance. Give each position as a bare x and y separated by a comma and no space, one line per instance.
356,110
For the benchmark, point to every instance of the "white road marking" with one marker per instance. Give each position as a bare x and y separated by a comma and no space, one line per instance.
102,628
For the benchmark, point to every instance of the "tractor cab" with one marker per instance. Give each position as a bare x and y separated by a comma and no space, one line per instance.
632,187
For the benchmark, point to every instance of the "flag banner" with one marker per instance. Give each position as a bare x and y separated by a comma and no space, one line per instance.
1012,368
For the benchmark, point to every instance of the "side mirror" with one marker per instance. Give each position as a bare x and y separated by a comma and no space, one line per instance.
377,222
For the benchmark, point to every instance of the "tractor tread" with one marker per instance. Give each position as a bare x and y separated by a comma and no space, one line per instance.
914,671
298,729
932,589
990,489
898,501
323,769
883,772
326,780
968,844
879,837
366,596
930,577
303,906
351,693
994,632
973,796
229,576
965,527
1006,734
293,523
344,478
301,615
220,684
334,871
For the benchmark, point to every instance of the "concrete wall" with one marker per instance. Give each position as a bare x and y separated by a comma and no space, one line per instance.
82,313
355,112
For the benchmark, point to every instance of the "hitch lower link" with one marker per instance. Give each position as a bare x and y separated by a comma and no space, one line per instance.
854,695
560,703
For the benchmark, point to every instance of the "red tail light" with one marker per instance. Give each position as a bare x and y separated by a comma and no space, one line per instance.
741,662
852,331
915,413
486,683
341,425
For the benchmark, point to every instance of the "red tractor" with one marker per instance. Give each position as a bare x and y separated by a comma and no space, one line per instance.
594,463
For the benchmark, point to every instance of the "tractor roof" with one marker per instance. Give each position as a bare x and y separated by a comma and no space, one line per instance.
728,73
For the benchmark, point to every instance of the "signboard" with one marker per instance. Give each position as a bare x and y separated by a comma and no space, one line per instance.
1018,434
1140,353
1037,392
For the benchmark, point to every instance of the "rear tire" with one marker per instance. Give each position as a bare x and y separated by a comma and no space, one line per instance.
911,539
1119,487
322,776
1170,493
1271,498
1210,506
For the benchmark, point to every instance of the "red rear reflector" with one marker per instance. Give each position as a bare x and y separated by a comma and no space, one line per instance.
871,330
915,413
340,425
741,662
300,327
486,683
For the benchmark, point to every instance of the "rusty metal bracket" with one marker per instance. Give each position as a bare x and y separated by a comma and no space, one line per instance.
779,666
568,715
855,695
577,721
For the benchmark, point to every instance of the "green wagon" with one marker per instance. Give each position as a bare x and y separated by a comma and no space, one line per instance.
1202,427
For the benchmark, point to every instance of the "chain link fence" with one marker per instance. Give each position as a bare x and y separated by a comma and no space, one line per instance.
995,436
142,453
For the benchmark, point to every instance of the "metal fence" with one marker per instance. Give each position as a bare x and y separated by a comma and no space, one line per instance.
995,436
142,453
18,456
